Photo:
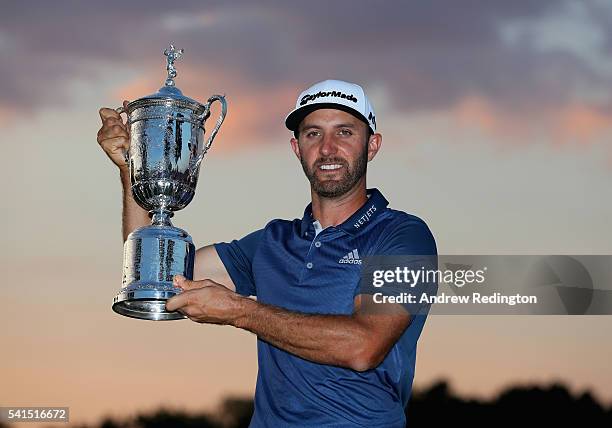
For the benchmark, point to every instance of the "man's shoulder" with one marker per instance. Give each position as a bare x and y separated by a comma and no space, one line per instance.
396,218
399,227
281,224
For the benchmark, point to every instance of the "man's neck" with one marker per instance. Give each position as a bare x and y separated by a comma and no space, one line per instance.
335,211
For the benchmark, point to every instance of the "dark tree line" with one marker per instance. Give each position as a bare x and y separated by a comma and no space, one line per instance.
523,406
520,406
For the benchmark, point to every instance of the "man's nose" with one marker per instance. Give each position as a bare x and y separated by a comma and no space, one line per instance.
328,145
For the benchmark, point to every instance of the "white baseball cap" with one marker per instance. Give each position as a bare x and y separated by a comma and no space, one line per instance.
336,94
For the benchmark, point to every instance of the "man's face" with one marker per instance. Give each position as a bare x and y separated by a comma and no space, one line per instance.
334,149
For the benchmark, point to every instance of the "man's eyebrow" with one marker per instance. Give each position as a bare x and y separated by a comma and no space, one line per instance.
313,126
309,126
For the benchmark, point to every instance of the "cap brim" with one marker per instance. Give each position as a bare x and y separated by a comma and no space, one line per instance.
292,122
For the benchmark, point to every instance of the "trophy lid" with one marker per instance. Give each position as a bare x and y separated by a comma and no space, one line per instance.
169,92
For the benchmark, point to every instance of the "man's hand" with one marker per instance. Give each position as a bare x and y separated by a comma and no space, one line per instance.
207,301
113,136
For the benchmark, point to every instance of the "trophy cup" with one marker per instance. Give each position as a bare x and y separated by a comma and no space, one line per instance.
166,150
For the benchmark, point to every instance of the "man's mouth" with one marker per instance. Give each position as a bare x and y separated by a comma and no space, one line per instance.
330,166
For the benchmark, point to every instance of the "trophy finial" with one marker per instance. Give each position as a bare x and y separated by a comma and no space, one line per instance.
172,54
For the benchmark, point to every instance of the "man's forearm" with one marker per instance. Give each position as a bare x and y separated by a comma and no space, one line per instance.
359,341
340,340
134,216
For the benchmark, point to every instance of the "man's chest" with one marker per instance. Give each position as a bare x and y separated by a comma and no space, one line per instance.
312,276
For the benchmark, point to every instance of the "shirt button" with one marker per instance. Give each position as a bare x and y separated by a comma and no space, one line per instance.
309,265
317,244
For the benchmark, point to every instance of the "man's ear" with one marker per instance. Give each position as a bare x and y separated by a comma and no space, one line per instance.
295,147
374,143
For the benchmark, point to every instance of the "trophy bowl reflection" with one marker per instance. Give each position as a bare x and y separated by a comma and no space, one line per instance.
166,150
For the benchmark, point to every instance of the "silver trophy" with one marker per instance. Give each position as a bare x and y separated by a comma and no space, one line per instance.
166,150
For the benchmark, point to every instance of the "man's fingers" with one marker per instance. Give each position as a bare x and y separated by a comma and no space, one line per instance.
107,132
110,121
107,113
186,284
115,144
183,299
177,302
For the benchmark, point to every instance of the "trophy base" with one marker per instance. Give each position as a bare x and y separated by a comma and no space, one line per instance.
153,255
146,303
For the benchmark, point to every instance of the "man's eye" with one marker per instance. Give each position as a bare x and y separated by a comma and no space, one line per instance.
312,134
345,132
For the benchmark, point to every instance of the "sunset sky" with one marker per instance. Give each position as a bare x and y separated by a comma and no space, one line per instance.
496,119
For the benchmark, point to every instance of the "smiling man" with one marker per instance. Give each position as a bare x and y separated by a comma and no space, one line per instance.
324,361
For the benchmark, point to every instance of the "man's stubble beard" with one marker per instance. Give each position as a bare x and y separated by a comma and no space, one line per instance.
336,188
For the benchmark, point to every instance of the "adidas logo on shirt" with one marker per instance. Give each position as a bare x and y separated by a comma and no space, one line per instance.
352,258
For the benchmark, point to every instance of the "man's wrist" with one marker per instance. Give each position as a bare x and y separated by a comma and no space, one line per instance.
244,311
126,181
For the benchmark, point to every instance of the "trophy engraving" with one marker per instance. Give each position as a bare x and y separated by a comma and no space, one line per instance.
166,150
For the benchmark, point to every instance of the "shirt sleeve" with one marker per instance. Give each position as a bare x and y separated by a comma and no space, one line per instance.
237,257
407,244
409,237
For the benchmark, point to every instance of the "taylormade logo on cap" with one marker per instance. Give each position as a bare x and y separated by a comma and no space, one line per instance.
345,96
306,98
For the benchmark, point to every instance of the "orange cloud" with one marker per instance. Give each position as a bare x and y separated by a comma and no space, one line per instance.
7,115
255,113
583,123
570,123
474,111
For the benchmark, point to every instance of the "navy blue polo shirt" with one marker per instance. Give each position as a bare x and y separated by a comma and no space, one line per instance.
289,265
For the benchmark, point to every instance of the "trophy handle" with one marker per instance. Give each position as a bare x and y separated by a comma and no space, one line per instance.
126,153
220,120
213,133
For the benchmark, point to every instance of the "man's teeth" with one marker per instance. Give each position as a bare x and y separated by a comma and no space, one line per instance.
334,166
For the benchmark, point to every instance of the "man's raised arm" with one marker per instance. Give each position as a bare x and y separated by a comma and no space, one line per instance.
114,139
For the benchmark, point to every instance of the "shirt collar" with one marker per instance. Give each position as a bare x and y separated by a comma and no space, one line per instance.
357,222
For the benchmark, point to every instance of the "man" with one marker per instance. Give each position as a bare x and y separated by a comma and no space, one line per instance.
323,360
